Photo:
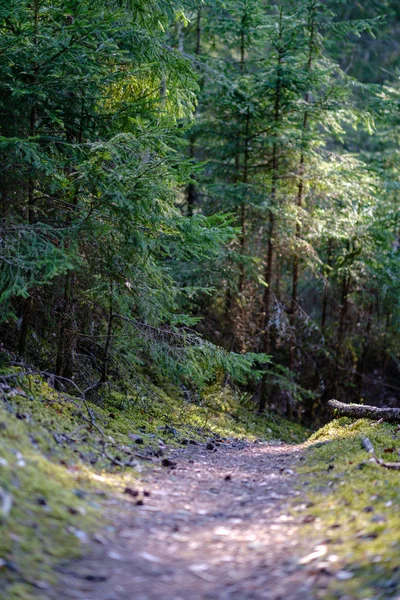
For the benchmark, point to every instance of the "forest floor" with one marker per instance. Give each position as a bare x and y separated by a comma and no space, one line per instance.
179,501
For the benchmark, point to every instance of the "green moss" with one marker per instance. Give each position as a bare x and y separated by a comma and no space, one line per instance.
46,513
54,457
220,411
356,505
231,415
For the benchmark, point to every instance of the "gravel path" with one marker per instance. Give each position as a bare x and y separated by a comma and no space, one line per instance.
214,527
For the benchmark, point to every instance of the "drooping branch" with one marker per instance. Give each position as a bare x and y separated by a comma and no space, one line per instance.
360,411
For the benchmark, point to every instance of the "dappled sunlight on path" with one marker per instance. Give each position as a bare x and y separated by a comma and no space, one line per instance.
215,527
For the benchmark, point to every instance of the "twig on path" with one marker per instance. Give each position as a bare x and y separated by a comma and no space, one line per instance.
117,461
366,442
198,570
121,463
228,476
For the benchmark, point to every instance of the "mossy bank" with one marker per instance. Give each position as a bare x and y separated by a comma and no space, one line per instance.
62,456
353,509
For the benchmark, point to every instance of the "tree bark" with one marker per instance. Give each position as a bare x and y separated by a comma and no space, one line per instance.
358,379
104,370
300,187
191,190
242,236
241,175
198,32
64,322
325,293
27,306
360,411
341,332
267,296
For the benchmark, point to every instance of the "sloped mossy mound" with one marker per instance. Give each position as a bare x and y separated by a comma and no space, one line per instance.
354,507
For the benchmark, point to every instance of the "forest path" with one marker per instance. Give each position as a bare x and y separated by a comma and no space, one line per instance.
215,527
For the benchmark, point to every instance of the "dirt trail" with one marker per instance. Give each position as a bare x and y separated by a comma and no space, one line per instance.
215,527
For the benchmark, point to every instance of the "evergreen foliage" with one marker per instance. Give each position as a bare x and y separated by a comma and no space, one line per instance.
200,189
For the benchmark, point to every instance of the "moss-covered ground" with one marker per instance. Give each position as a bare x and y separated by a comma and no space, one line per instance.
59,457
354,505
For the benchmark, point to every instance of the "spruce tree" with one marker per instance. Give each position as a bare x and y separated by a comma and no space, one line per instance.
92,98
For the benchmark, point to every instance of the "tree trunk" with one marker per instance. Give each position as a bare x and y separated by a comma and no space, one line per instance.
191,190
27,306
325,293
242,235
198,32
267,296
63,364
242,176
305,126
25,324
104,371
344,306
67,331
358,378
300,189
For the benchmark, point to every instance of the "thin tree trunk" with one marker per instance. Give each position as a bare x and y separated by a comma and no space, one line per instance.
267,296
62,331
25,324
191,190
198,32
344,305
104,371
243,233
341,332
245,175
325,293
246,155
67,331
300,188
358,379
241,175
299,204
28,304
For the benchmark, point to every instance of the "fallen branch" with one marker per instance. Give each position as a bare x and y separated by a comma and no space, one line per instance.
360,411
366,442
116,461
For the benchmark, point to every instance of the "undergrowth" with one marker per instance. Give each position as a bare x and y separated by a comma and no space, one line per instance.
354,507
59,456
